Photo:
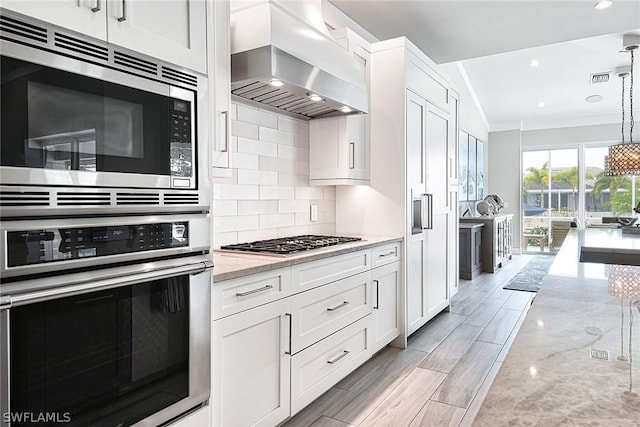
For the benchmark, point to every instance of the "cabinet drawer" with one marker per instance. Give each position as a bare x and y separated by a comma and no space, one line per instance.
319,367
322,311
243,293
316,273
386,254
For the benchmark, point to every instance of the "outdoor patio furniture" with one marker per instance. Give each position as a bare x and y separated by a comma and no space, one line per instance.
559,230
540,238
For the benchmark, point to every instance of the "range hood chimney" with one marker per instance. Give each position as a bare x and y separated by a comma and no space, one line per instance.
283,58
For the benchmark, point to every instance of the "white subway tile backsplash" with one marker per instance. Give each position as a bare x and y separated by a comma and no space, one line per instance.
295,230
268,194
301,140
309,193
227,238
235,192
277,136
247,176
317,228
252,207
262,118
244,161
261,148
293,126
277,220
245,130
329,193
276,164
258,234
302,167
286,152
225,207
289,206
222,224
303,218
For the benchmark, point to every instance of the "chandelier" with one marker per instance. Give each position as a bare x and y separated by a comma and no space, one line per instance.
624,158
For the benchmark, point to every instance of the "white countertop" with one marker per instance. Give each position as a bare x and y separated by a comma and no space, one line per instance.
609,246
229,265
549,377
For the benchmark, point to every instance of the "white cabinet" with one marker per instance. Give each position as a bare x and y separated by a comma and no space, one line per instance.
453,231
386,283
339,146
251,367
282,337
412,119
172,30
322,311
317,368
339,151
219,79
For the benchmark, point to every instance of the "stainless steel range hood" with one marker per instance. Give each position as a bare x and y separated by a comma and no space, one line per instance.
288,43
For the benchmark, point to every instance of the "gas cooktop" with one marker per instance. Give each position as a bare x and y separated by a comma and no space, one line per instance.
289,245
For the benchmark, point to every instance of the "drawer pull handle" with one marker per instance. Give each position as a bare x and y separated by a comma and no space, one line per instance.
253,291
338,357
387,254
338,306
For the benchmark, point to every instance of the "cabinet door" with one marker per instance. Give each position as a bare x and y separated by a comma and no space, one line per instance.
84,16
437,143
453,242
339,150
172,30
219,79
453,146
386,294
415,248
251,367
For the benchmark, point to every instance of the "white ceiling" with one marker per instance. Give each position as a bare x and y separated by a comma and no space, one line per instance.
496,40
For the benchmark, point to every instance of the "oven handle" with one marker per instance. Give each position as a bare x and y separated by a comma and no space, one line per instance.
84,286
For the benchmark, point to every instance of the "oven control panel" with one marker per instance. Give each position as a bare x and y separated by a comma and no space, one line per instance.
27,247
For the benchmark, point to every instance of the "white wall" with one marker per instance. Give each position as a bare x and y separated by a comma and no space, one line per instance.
268,194
504,176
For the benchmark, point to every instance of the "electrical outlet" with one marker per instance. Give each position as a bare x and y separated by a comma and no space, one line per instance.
314,213
506,205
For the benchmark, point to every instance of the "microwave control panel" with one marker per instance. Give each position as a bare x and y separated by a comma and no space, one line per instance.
180,146
30,247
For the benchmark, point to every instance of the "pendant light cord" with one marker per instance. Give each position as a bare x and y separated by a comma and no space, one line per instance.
631,99
623,77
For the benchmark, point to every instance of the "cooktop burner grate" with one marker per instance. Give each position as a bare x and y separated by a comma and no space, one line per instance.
288,245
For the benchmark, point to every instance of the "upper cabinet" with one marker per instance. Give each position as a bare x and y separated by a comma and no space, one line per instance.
171,30
220,81
339,146
339,151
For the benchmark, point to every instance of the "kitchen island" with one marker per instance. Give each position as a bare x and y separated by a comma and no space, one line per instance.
573,362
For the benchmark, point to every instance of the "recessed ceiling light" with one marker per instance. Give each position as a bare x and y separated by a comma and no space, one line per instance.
276,83
603,4
534,63
315,98
540,104
593,98
345,109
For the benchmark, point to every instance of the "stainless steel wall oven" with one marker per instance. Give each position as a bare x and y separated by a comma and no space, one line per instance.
89,334
86,125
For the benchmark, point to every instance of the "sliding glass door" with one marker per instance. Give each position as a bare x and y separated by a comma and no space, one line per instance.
550,195
561,186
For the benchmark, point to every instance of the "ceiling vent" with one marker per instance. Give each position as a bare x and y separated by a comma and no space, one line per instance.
600,77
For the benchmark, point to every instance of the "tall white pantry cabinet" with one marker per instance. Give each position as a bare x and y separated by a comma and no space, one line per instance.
413,189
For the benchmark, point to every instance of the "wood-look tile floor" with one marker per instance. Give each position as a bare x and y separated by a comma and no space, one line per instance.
443,375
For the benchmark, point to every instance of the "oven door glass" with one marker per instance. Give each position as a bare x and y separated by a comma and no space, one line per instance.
105,358
69,122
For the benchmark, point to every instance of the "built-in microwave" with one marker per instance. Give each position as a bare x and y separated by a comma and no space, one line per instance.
87,126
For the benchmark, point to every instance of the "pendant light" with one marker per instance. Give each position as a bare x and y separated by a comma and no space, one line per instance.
624,158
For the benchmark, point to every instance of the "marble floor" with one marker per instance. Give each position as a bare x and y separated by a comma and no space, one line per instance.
443,375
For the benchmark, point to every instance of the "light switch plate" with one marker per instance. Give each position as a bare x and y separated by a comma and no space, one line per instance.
314,213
